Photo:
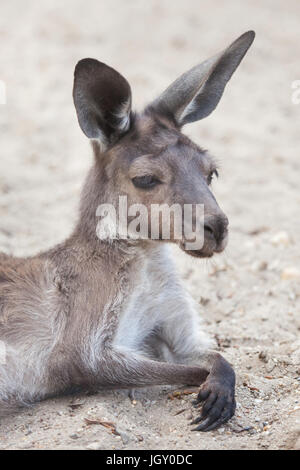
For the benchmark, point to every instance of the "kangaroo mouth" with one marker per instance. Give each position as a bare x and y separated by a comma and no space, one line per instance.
203,253
209,248
199,253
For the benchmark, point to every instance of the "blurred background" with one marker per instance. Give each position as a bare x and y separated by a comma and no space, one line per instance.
250,295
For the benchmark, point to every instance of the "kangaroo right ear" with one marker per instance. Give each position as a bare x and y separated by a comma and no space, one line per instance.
102,99
195,94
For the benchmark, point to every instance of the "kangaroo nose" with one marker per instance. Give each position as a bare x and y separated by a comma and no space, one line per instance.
216,227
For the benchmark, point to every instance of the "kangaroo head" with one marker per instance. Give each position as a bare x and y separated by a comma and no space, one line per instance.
145,156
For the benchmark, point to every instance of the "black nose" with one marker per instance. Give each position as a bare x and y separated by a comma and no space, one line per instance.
216,227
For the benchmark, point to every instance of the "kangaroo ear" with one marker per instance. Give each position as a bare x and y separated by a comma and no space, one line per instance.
102,99
195,94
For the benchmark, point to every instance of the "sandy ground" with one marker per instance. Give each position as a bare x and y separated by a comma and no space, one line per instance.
249,296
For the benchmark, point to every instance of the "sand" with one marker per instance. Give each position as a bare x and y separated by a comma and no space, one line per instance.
248,296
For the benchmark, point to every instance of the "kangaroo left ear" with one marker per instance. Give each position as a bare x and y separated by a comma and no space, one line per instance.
102,99
195,94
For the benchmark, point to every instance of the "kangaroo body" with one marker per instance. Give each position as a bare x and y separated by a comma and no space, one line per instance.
47,301
110,311
140,312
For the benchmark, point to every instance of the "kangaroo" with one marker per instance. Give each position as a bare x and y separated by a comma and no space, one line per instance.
111,312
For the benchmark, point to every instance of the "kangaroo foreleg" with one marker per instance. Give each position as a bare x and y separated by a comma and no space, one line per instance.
185,342
128,370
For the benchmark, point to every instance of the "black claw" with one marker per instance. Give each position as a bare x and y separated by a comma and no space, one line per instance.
202,426
204,423
215,412
211,427
222,420
197,420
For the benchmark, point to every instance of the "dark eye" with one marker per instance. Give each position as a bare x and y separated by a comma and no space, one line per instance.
211,176
145,182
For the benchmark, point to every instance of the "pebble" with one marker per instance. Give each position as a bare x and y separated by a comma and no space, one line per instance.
290,273
94,446
263,356
274,265
280,238
125,437
259,266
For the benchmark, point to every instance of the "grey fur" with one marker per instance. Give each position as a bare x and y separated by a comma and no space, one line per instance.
93,313
196,93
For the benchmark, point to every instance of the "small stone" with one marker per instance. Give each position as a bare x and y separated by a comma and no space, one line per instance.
125,437
94,446
259,266
290,273
74,436
252,431
280,238
204,301
274,265
263,356
292,296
